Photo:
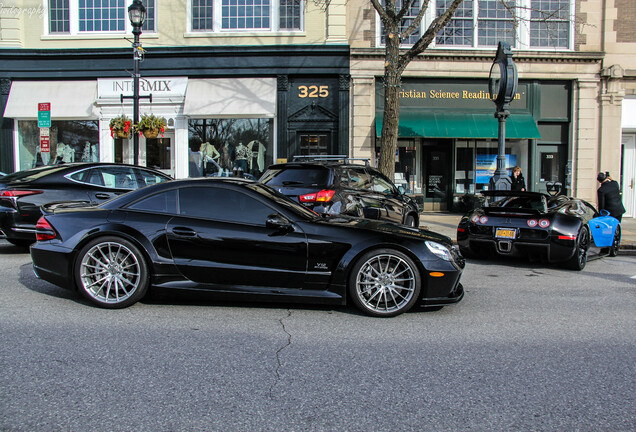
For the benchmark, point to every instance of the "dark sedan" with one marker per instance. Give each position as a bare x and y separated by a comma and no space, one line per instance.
236,236
557,229
22,193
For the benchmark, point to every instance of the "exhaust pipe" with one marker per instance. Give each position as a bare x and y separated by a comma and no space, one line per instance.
505,246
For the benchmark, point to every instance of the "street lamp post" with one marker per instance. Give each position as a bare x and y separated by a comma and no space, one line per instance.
502,86
137,16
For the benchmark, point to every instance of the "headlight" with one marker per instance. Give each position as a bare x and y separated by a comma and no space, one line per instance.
439,250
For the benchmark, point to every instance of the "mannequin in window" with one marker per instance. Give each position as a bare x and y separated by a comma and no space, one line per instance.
257,150
242,156
209,153
226,157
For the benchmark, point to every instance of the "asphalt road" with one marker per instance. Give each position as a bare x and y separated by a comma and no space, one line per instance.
530,348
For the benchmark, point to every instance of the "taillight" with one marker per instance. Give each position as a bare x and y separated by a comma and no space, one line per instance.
532,223
324,195
544,223
483,219
12,193
44,231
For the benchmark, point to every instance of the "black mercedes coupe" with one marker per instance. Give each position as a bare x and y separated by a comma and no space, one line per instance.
236,236
557,229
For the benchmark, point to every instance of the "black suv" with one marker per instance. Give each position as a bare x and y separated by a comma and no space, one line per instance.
337,185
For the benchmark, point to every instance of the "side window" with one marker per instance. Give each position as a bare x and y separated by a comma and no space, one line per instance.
147,178
89,176
164,202
355,178
380,184
223,205
116,177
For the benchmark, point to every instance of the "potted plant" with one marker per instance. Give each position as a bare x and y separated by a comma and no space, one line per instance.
120,127
151,126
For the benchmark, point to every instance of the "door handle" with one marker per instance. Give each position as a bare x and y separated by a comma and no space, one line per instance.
184,232
102,195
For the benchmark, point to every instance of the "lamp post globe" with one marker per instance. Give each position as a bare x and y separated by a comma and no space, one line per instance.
137,16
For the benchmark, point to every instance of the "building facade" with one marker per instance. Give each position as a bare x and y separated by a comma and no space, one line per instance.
572,115
239,88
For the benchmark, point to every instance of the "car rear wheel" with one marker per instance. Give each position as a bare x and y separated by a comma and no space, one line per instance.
616,243
579,259
384,283
111,272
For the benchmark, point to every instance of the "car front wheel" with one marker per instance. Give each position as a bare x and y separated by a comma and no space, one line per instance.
384,283
111,272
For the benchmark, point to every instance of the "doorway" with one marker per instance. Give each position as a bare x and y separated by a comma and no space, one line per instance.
549,166
158,153
310,144
437,175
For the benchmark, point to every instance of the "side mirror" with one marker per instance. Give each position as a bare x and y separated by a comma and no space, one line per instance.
279,222
371,213
401,190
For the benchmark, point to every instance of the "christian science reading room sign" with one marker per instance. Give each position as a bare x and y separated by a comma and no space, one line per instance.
452,95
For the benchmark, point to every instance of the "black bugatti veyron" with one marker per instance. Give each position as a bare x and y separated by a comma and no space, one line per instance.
557,229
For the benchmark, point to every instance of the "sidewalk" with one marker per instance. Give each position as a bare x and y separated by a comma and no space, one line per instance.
446,223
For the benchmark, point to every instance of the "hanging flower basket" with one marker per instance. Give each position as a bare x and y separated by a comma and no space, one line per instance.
120,127
120,133
151,133
151,126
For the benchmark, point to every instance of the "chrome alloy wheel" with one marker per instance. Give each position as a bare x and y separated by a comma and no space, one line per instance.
110,272
385,283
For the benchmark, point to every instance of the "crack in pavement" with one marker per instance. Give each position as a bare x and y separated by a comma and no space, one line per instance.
278,362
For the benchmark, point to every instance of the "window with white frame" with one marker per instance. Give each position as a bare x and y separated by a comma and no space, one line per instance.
407,21
525,24
246,15
95,16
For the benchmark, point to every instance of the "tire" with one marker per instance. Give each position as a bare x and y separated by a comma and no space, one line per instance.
466,253
21,242
111,272
616,244
384,283
410,221
579,259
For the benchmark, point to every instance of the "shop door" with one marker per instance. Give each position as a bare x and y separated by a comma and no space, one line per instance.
549,167
629,172
160,153
310,144
437,175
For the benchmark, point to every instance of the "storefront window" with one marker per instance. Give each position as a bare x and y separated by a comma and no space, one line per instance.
223,146
476,162
70,141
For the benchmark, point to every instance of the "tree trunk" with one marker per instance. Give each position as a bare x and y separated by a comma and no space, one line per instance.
392,83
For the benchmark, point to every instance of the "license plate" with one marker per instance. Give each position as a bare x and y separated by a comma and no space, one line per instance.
508,233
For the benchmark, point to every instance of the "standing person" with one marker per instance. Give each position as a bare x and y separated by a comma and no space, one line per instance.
609,196
517,183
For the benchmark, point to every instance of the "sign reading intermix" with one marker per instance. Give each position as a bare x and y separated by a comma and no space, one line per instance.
158,87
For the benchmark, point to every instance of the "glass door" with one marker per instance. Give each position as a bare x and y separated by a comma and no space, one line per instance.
160,153
549,167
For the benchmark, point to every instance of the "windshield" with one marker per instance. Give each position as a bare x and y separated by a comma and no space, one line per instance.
284,201
296,176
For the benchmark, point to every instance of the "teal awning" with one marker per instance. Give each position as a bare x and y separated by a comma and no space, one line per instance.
462,125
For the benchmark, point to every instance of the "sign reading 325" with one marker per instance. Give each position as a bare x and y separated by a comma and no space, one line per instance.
313,91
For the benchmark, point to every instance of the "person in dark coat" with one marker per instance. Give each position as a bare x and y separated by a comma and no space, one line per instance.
609,196
517,183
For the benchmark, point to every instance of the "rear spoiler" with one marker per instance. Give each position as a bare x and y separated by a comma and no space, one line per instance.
509,211
51,207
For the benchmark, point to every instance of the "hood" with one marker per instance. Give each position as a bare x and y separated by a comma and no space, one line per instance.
387,227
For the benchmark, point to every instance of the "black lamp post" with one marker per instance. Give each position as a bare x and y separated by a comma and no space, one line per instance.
137,16
502,86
